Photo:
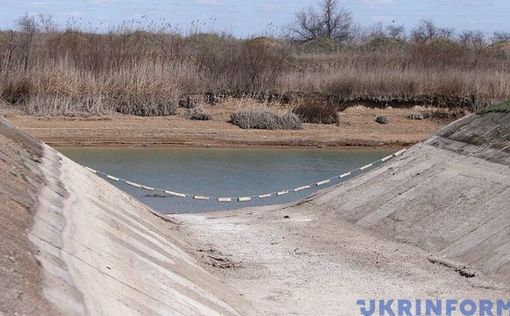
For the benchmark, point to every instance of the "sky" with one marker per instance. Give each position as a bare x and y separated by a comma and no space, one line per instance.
245,18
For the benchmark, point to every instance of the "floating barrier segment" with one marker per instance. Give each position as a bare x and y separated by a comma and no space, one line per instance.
91,170
400,152
112,178
249,198
344,175
175,194
366,167
323,182
136,185
302,188
387,158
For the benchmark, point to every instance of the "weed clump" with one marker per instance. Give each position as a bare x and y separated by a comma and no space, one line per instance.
146,106
317,113
198,113
17,92
264,118
72,106
445,114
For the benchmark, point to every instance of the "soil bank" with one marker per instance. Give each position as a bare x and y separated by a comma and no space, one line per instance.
357,128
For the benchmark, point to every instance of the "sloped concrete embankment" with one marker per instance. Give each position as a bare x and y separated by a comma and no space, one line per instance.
449,195
101,252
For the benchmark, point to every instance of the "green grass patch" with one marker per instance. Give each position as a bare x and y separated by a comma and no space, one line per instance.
503,107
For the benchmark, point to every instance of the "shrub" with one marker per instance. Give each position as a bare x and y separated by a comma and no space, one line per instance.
146,106
198,113
445,114
317,113
320,46
68,106
415,116
503,107
188,103
17,91
264,118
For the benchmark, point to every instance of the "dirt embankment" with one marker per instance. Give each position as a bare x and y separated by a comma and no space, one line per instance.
357,128
432,223
73,244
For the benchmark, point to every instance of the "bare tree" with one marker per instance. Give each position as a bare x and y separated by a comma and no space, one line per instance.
28,27
47,24
10,46
426,31
446,33
501,36
308,25
396,31
376,31
337,20
329,20
474,39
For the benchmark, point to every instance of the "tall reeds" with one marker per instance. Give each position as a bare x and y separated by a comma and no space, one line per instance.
145,72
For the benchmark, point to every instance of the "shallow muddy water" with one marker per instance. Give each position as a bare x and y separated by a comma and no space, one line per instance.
230,172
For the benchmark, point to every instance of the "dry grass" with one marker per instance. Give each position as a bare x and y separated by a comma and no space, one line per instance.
317,113
198,113
146,72
262,117
408,70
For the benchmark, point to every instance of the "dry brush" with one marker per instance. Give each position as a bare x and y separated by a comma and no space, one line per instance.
147,72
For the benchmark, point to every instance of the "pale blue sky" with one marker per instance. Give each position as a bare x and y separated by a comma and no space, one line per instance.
243,18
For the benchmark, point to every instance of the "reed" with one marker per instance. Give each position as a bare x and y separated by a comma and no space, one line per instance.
147,71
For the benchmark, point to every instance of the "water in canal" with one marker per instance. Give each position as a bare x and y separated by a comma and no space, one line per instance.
230,172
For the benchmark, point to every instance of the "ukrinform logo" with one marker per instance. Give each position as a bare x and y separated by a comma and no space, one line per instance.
434,307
